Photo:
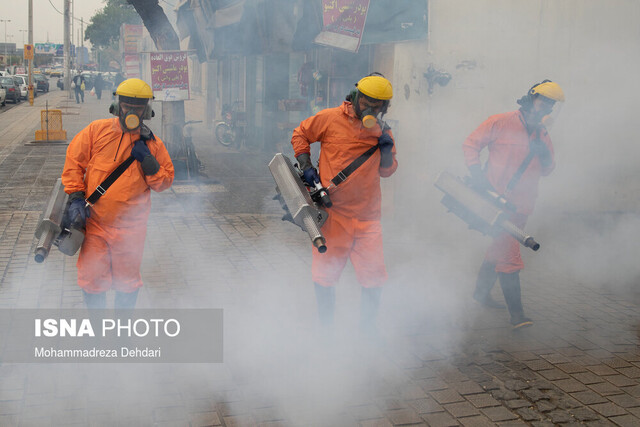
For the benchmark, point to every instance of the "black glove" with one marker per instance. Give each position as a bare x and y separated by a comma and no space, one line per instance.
78,210
479,179
541,150
141,153
385,142
311,176
309,173
140,150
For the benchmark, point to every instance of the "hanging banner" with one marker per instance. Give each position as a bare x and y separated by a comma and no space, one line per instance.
132,66
131,37
343,23
170,76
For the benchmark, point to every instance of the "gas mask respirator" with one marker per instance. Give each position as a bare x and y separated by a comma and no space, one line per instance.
132,118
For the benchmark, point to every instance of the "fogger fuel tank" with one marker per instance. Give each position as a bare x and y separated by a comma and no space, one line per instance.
478,211
303,210
52,229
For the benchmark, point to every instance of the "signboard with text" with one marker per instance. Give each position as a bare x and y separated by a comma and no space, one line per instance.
132,66
170,76
343,23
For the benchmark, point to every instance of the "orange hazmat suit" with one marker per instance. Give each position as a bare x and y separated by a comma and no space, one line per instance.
353,229
111,253
507,139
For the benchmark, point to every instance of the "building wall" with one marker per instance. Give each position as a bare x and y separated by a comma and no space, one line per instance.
495,50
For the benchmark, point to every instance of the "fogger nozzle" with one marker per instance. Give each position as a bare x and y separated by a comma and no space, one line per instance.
320,244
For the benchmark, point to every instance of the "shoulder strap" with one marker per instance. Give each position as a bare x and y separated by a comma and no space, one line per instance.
344,174
102,188
525,163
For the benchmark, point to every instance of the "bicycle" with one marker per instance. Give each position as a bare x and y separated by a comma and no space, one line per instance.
231,129
186,163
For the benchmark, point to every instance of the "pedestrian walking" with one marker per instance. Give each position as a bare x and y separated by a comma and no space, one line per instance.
353,229
79,86
520,152
98,85
116,224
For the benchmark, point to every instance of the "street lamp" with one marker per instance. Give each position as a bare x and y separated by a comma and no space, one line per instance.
5,46
5,38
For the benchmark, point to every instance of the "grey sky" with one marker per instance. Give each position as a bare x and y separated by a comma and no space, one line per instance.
47,21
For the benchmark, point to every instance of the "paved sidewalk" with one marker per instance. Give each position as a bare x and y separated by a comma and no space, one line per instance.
441,360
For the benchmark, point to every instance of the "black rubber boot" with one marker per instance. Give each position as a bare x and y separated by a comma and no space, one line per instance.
95,301
125,300
326,299
369,304
486,279
510,283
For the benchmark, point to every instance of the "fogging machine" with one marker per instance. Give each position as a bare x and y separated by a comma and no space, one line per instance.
55,228
484,210
302,205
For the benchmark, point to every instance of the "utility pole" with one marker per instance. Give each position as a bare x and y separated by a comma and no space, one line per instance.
31,88
5,38
67,46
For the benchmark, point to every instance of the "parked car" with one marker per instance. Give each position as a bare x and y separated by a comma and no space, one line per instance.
3,96
41,82
23,82
11,88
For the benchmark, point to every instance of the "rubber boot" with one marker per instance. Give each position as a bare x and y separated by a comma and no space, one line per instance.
510,283
94,301
125,300
326,299
484,283
369,304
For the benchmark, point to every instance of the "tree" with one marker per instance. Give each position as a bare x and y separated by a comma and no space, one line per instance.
165,38
104,28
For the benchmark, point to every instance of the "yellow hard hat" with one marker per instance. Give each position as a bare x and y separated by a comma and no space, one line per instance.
549,90
135,88
376,87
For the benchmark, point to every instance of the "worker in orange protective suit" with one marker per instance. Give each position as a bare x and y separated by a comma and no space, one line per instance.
520,152
353,229
116,224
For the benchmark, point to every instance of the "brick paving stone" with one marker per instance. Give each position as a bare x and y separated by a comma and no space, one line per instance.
631,372
467,387
605,389
620,380
608,409
533,395
524,355
440,419
538,365
625,400
553,374
570,385
528,414
633,391
589,397
558,417
499,413
504,394
421,373
403,417
616,363
484,400
584,414
587,378
571,368
555,358
447,396
545,406
432,384
602,370
625,421
389,404
478,421
517,403
426,406
461,409
515,385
